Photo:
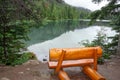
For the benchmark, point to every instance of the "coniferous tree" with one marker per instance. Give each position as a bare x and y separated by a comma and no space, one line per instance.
13,29
112,11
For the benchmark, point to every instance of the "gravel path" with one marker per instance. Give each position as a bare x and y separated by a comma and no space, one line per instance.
35,70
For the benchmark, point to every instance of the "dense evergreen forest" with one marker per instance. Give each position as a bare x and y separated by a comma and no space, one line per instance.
53,10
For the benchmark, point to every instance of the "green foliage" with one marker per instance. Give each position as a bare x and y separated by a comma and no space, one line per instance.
52,10
102,41
12,37
15,36
23,58
112,12
18,59
14,26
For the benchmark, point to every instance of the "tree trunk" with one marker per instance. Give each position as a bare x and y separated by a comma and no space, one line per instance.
4,21
118,48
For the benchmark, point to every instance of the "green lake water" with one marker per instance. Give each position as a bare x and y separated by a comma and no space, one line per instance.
63,34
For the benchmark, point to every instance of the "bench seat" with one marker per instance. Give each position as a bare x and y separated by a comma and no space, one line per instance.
71,63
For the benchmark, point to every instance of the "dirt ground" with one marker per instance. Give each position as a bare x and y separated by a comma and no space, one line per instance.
35,70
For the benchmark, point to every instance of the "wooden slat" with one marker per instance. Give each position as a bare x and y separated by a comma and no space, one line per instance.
71,63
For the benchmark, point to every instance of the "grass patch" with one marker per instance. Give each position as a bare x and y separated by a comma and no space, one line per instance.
18,59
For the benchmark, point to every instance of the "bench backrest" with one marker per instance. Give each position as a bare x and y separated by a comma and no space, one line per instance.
75,53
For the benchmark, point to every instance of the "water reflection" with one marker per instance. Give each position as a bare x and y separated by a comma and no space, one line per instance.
55,29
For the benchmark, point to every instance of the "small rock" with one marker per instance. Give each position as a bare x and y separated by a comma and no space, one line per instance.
44,59
112,56
34,62
107,60
118,57
45,74
112,63
20,72
28,69
4,78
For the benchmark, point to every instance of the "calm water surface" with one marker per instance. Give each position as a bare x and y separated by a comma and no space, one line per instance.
66,34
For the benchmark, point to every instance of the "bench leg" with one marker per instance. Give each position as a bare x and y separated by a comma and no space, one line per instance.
63,75
93,74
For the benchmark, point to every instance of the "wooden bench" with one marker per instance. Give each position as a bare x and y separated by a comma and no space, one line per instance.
70,57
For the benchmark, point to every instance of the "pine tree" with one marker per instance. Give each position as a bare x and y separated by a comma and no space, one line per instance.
13,29
112,11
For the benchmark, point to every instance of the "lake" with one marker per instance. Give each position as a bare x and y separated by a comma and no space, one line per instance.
63,34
